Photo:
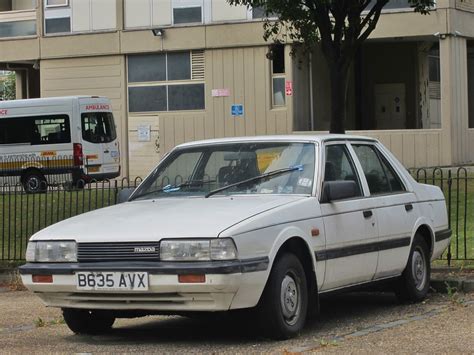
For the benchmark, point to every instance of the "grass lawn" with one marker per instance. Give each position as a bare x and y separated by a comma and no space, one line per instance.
22,215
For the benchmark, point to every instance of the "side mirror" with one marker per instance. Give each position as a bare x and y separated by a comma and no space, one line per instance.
124,194
338,190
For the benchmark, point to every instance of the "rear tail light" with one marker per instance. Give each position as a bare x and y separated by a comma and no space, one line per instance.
78,155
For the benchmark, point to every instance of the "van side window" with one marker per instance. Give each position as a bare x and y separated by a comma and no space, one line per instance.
381,177
35,130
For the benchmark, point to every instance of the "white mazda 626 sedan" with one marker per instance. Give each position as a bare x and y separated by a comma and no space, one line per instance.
261,223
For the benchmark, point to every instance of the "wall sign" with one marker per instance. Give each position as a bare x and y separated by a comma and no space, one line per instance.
289,88
220,92
237,110
144,133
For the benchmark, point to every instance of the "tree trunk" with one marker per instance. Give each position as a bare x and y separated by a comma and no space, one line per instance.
339,77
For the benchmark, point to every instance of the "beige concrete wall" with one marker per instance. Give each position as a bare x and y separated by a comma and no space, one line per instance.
466,5
104,76
27,49
80,45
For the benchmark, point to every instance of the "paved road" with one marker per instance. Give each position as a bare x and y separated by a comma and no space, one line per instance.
358,322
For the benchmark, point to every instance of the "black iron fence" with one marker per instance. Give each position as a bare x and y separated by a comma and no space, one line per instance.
458,188
23,213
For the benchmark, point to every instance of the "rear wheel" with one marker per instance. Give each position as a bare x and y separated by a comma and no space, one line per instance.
82,321
414,283
284,303
34,182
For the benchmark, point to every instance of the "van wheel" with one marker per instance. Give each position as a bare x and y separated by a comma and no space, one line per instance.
82,321
34,182
283,307
414,283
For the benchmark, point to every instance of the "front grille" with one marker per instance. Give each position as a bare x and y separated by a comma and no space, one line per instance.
139,251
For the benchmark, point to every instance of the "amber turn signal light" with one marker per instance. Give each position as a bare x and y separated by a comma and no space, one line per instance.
191,279
43,279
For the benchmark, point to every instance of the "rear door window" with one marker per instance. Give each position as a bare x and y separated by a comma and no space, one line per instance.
380,175
98,127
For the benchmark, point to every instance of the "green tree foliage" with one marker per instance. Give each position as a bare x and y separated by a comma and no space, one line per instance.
9,87
339,27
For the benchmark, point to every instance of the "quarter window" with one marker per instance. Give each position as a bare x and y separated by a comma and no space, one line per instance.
339,166
380,176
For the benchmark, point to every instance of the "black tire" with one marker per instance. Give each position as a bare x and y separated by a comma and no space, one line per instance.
414,283
82,321
34,182
283,306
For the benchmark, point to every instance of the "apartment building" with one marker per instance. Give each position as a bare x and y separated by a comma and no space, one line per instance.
180,70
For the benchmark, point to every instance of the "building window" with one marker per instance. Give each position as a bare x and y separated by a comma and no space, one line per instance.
187,15
56,3
187,11
57,25
18,28
166,82
278,75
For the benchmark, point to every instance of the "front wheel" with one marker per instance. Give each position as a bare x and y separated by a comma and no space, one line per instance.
414,283
82,321
284,303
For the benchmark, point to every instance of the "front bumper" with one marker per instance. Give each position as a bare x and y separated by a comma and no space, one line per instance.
228,283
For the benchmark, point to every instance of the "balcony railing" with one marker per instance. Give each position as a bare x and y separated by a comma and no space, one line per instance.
18,23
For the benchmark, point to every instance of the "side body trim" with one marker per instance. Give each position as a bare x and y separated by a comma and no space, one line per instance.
362,249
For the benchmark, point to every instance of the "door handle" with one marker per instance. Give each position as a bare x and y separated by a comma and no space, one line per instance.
408,207
106,151
367,214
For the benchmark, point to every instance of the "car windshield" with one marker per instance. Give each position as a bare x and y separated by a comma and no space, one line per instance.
98,127
270,168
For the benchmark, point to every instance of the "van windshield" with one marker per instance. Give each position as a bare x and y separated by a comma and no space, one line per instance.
98,127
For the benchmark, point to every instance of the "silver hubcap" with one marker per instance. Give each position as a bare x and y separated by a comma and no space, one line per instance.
290,300
419,269
33,183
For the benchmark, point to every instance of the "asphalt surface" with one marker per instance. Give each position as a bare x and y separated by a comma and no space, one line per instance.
357,322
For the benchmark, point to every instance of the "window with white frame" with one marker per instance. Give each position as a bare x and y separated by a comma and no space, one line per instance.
57,17
278,75
171,81
187,11
56,3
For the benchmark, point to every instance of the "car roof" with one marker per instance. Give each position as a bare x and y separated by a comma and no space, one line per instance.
316,138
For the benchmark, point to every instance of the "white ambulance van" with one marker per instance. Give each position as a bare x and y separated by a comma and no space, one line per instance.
42,139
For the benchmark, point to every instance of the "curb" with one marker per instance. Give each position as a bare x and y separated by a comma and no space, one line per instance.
458,285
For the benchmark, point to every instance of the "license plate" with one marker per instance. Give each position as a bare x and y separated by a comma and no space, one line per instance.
122,281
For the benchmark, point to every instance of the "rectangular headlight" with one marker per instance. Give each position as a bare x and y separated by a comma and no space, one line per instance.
197,250
51,252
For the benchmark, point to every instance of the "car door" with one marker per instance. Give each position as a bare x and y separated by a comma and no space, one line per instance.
394,208
350,225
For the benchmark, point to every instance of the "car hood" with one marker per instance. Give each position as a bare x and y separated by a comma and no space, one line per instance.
147,220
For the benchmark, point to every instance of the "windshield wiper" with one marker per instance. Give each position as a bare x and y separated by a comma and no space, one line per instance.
171,188
257,178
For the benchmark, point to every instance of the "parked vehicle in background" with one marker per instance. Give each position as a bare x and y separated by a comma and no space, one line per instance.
73,136
261,223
